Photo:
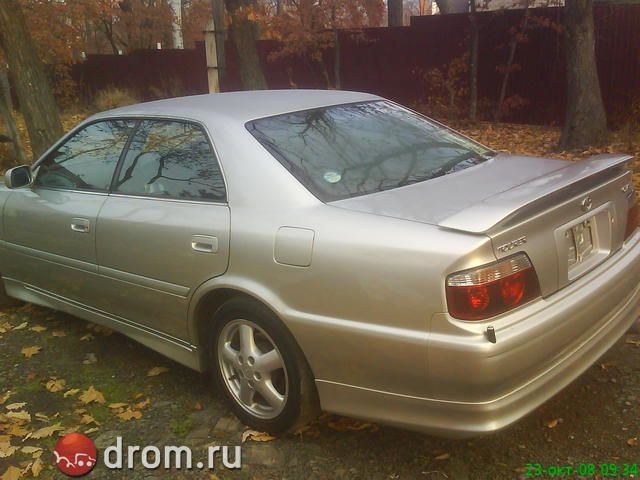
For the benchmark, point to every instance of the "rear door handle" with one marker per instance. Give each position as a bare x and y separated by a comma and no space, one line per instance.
80,225
204,244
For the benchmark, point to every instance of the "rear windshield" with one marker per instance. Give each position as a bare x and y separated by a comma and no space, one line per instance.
349,150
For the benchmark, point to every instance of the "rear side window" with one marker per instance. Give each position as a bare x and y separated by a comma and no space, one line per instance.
88,159
172,160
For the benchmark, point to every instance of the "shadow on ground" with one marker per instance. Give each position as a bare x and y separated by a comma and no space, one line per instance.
593,421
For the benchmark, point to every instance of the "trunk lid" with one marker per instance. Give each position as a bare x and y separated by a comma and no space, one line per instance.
567,216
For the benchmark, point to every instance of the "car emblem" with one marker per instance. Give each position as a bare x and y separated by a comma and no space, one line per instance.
512,244
586,203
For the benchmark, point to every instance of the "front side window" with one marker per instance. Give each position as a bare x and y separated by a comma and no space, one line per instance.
356,149
171,159
88,159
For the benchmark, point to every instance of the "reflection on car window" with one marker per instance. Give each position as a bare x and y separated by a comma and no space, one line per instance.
171,159
355,149
88,159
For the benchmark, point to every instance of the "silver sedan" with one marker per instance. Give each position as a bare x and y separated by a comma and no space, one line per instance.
330,250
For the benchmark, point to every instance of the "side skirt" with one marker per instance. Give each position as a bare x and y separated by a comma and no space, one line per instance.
173,348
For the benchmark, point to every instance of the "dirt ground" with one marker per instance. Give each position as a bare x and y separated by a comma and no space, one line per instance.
595,420
87,379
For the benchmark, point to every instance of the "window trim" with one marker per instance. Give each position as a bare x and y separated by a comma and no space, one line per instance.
125,151
137,118
66,138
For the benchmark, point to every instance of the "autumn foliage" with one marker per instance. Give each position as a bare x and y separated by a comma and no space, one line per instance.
65,32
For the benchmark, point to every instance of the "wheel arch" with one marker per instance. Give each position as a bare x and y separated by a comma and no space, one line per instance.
207,301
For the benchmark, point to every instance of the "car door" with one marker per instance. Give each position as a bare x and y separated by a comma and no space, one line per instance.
49,227
164,229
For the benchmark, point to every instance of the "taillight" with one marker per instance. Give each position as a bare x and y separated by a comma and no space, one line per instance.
633,219
493,289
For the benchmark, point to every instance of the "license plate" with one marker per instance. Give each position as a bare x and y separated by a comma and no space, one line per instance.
580,242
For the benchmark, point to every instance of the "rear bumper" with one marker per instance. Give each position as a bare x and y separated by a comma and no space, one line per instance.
477,387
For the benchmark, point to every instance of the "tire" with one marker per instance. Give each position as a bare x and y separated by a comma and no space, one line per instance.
263,376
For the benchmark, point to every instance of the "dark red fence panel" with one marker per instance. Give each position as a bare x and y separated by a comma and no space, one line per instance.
148,73
389,61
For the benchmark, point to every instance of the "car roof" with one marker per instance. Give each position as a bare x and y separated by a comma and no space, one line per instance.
239,107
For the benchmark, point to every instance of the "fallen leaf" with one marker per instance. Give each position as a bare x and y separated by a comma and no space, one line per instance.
443,456
256,436
70,393
37,467
155,371
38,328
100,329
553,423
15,406
45,432
22,326
87,337
91,395
91,430
29,450
344,424
632,442
90,359
142,405
55,385
6,450
633,342
12,473
129,414
42,416
17,430
59,333
115,406
88,419
30,351
20,416
5,397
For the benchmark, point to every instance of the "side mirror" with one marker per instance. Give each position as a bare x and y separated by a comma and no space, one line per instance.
18,177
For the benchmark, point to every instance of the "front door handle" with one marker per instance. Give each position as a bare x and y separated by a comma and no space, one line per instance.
204,244
80,225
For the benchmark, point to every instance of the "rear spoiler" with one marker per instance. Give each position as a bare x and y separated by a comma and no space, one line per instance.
524,200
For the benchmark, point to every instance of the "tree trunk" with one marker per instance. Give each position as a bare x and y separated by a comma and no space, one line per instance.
37,103
337,73
6,112
512,53
337,65
176,24
395,13
473,61
217,7
243,33
586,120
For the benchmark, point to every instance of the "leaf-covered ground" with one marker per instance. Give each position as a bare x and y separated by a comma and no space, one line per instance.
59,374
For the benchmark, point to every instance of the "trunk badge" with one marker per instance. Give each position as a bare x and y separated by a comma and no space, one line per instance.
507,247
586,203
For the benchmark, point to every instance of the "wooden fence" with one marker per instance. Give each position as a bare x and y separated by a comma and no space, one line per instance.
390,62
